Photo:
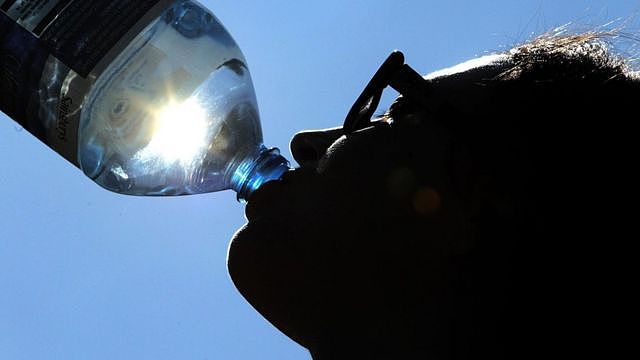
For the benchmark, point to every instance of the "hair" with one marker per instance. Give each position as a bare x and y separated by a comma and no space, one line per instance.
580,57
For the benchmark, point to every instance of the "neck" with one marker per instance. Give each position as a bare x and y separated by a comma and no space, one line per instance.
377,350
357,355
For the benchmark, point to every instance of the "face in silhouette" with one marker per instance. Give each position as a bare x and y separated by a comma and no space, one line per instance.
350,245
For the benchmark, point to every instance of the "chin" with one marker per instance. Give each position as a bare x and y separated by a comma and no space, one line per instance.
246,257
256,246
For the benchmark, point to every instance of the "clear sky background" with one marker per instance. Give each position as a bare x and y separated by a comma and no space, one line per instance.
87,274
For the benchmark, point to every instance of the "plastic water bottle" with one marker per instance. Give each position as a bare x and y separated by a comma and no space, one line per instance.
146,97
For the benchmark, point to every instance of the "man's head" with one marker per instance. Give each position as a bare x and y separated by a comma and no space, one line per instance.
441,230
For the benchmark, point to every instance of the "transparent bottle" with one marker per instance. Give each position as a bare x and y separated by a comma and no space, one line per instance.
173,113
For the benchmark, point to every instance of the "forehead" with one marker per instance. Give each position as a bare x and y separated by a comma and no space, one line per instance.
463,86
482,65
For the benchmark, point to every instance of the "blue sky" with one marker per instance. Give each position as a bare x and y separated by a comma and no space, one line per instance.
87,274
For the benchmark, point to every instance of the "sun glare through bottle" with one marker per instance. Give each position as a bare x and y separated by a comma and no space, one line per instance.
171,112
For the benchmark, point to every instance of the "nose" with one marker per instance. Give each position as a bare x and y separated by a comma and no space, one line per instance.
307,147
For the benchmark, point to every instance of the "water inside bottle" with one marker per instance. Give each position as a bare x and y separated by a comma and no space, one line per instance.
175,113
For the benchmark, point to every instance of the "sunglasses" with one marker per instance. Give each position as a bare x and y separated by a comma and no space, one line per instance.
395,73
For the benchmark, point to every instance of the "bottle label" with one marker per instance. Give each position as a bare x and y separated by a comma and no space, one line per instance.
86,36
30,13
22,58
79,33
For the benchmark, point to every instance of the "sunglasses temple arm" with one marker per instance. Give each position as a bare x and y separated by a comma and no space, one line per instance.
395,73
411,85
368,100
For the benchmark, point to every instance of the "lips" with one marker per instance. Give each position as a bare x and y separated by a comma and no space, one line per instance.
268,197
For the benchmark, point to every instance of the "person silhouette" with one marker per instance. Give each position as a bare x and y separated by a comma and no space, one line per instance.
461,223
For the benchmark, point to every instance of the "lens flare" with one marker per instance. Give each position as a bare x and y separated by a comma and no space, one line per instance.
179,135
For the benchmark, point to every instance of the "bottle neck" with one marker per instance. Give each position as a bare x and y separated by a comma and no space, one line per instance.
254,172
